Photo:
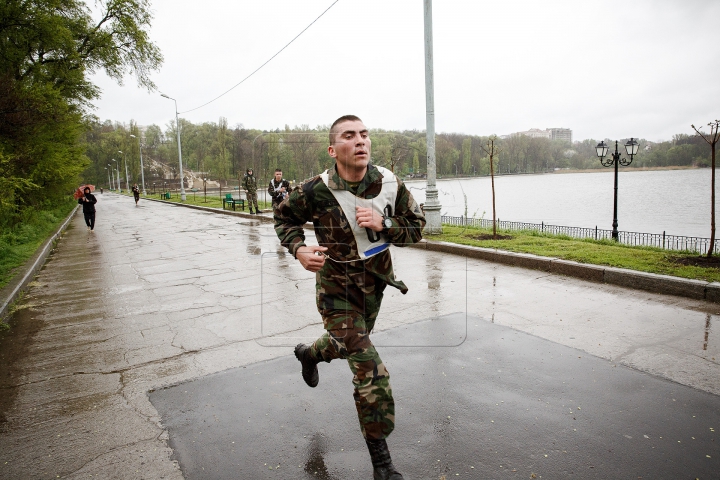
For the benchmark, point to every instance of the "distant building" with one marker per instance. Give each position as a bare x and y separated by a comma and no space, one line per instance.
561,134
536,133
564,134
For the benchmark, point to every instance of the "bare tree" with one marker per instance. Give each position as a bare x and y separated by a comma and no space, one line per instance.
492,151
712,140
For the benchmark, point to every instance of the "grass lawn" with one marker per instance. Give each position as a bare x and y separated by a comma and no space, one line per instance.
212,201
603,252
19,243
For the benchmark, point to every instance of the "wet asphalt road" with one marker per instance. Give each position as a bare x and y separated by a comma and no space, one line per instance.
161,295
500,404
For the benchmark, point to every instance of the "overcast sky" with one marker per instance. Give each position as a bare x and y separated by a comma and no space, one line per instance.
605,69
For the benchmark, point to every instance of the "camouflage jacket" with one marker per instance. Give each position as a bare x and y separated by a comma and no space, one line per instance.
314,202
277,197
249,183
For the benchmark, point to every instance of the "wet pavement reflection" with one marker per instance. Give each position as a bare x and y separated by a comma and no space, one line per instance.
161,295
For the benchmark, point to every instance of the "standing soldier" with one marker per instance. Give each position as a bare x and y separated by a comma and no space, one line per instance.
358,210
250,186
278,188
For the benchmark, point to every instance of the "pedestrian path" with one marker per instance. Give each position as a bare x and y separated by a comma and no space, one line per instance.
162,295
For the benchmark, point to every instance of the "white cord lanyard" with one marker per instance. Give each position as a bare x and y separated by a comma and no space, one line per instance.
340,261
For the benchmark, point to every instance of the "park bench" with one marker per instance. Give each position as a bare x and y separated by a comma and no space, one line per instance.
234,202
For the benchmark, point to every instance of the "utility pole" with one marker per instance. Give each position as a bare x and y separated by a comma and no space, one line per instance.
432,203
177,127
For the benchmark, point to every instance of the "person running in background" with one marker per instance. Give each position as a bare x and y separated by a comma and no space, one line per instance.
88,202
136,193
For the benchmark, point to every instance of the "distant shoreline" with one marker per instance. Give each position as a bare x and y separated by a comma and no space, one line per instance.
634,169
589,170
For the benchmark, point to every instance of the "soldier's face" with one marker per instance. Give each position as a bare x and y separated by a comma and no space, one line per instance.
351,147
278,176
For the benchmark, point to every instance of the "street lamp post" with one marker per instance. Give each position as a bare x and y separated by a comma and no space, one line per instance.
432,202
109,184
127,177
142,168
117,170
205,189
177,126
112,177
631,147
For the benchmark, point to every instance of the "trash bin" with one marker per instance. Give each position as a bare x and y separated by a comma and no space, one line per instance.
167,195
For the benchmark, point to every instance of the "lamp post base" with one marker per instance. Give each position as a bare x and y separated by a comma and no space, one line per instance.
432,211
434,223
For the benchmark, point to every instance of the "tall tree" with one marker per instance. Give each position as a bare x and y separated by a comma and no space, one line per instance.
466,163
712,140
48,50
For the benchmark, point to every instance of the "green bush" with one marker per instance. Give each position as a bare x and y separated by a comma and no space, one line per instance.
20,239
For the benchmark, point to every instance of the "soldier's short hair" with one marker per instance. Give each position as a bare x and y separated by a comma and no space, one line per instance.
344,118
278,170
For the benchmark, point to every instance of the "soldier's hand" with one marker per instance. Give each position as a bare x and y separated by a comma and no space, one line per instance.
309,257
368,218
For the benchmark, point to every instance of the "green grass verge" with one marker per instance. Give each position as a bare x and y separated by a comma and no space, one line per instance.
604,252
213,201
19,243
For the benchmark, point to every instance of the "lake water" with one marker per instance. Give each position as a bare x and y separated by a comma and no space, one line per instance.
674,201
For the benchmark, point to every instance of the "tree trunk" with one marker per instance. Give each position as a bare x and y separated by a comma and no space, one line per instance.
712,202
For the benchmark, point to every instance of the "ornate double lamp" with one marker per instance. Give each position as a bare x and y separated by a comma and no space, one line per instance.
631,147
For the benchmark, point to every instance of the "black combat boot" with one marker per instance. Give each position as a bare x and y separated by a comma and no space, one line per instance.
383,468
309,365
251,211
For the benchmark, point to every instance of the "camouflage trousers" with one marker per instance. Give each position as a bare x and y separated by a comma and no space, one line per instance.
373,393
252,200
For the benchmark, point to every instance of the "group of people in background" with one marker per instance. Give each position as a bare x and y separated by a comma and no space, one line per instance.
278,189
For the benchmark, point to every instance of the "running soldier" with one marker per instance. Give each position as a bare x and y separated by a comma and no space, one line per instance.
249,184
358,210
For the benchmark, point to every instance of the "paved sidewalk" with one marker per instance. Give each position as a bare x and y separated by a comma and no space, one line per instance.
160,295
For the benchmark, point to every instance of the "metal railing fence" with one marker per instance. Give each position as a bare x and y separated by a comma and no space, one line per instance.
659,240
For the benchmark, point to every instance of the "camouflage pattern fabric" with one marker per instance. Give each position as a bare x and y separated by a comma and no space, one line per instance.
252,200
277,197
342,286
249,183
373,393
348,295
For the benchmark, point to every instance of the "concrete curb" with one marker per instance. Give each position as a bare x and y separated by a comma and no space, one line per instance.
651,282
10,292
221,211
